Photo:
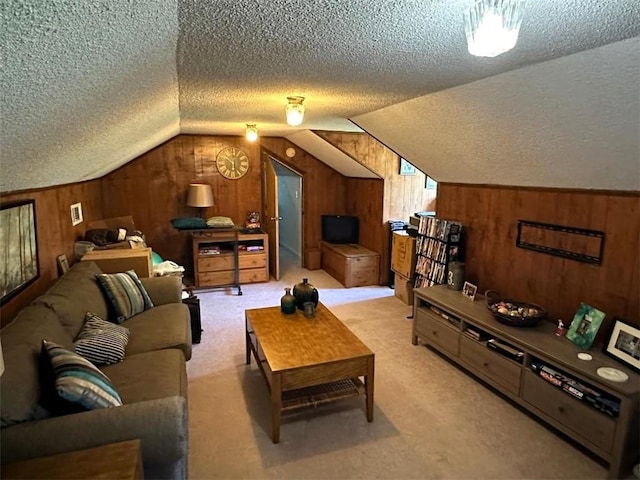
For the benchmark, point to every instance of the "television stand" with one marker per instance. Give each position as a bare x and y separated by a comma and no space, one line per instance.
351,264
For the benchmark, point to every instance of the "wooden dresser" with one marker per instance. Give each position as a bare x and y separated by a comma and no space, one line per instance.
214,260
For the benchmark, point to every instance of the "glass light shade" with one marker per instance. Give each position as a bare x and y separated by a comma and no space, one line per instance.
251,132
200,195
492,26
295,111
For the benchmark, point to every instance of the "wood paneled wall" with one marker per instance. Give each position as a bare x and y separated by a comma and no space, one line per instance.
56,234
396,196
366,200
153,189
489,215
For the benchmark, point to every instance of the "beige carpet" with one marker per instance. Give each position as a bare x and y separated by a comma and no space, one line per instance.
432,420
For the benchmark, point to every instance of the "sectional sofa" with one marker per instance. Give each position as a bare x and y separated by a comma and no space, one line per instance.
151,380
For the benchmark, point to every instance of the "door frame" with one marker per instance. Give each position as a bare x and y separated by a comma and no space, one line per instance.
269,156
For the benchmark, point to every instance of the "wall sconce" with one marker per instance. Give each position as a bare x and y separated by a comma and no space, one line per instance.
252,132
492,26
295,111
200,196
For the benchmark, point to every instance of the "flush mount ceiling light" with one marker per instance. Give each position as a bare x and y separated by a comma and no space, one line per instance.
251,132
492,26
295,111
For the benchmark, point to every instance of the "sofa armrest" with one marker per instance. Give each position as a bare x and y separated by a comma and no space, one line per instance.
161,425
163,290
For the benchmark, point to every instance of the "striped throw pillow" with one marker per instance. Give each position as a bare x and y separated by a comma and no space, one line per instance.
77,380
101,342
125,293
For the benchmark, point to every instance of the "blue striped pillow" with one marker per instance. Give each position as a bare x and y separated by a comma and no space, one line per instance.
101,342
77,380
125,293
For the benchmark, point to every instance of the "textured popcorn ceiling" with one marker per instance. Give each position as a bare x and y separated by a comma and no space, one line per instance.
532,126
89,85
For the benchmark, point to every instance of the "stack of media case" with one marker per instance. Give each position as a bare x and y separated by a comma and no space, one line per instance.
594,397
438,244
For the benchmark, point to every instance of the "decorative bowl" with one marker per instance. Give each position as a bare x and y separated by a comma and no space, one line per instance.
513,313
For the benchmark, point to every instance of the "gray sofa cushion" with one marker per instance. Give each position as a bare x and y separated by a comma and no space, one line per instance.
21,382
164,326
75,294
149,376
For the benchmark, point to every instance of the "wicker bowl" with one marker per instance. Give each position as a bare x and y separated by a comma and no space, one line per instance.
515,314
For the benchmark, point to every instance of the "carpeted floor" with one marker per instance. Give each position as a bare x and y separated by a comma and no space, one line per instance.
431,420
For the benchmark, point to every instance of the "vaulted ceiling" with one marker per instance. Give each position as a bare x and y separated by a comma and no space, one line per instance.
88,86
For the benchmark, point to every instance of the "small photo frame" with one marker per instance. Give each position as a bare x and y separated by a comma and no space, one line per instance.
624,343
406,168
585,325
76,214
63,264
469,290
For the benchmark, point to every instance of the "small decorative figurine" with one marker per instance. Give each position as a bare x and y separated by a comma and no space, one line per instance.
561,330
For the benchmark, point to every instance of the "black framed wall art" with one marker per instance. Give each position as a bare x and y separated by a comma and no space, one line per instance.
19,265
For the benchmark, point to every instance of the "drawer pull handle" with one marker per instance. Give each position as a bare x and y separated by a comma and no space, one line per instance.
561,409
485,364
435,334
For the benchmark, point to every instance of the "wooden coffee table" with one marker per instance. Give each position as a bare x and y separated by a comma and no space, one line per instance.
307,361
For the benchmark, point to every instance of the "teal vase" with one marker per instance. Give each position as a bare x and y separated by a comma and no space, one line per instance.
288,302
305,292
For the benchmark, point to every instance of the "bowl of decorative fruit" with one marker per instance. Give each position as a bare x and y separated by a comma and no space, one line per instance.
513,313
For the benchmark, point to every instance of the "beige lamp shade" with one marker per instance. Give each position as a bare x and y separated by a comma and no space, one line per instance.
200,195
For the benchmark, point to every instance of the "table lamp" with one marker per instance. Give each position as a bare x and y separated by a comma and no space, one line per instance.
200,196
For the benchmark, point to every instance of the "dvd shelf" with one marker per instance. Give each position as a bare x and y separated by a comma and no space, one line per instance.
437,245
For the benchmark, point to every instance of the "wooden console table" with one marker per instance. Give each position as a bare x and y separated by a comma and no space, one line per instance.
444,319
114,461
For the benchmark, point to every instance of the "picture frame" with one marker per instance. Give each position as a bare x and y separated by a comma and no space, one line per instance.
406,168
469,290
585,325
76,214
623,343
20,265
63,264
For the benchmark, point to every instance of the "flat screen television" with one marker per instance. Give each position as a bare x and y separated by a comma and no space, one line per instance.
340,228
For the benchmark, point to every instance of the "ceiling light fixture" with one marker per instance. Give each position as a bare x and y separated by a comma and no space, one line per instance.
492,26
251,132
295,111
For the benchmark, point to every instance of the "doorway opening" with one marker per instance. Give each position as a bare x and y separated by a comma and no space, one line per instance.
285,217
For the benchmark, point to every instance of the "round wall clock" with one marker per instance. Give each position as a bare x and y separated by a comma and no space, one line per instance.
232,163
290,152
